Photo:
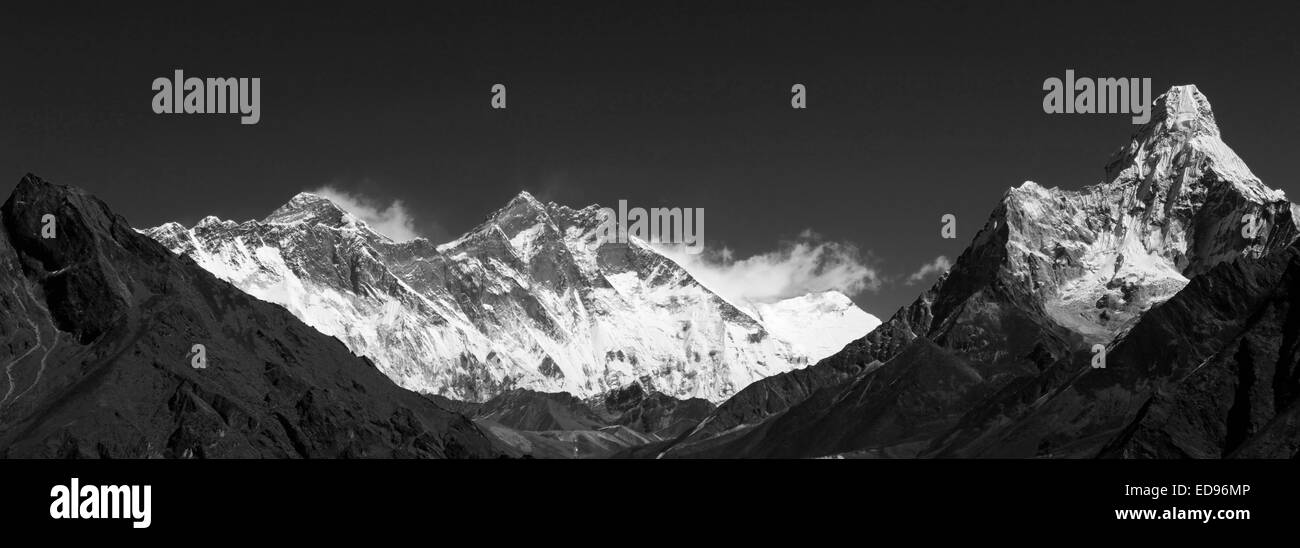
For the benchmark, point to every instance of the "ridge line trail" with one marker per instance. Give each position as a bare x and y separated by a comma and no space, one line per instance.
9,366
40,371
48,351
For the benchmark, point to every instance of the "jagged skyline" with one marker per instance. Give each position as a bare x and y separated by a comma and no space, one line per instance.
382,105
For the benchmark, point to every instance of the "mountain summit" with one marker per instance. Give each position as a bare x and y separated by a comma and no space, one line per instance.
1184,133
309,208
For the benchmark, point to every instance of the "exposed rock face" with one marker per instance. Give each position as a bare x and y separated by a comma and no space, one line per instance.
527,410
559,425
1210,373
1051,273
529,299
96,335
1227,383
653,412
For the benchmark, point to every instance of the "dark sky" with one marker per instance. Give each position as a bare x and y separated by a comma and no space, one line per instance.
915,109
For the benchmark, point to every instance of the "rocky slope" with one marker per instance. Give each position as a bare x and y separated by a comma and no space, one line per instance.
1051,273
559,425
528,300
96,335
1210,373
1224,385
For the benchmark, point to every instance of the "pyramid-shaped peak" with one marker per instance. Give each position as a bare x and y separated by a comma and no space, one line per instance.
1182,137
523,213
1185,108
309,207
522,208
307,197
526,198
38,196
303,200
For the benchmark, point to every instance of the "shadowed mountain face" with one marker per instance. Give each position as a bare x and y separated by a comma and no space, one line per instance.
559,425
96,337
995,359
1227,383
527,410
1210,373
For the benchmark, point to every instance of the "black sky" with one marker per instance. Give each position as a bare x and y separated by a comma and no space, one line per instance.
915,109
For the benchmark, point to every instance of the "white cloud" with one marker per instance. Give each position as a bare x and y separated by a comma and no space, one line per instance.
393,220
805,265
939,265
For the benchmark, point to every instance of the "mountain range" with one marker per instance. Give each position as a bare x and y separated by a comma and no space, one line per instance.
529,299
1151,315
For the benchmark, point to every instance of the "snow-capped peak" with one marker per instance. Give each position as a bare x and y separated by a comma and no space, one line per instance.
304,206
307,208
212,221
818,324
1171,207
1186,109
1183,138
526,197
521,213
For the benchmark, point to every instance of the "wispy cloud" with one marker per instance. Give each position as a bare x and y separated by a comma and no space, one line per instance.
392,220
940,264
804,265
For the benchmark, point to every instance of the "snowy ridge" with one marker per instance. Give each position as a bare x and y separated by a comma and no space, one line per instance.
816,324
525,300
